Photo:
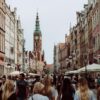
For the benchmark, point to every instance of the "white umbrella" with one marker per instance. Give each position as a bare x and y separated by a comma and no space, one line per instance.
72,72
33,74
15,73
90,68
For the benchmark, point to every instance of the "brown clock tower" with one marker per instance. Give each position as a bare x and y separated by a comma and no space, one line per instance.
37,36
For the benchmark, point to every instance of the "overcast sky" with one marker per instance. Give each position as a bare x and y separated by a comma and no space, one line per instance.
55,18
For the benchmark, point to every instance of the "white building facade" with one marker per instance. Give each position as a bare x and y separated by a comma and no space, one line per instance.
2,35
9,41
14,42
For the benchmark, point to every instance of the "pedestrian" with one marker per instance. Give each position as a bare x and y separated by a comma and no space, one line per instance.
37,92
67,91
0,88
98,88
74,81
54,80
21,88
49,90
83,92
8,91
98,92
3,80
59,84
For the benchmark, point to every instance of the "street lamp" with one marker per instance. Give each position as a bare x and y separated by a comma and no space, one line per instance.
85,63
67,62
23,59
70,60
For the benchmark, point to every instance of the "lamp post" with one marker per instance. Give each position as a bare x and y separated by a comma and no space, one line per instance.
67,62
23,59
74,60
85,70
85,63
70,60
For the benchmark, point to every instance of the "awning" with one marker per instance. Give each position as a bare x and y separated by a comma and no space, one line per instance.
90,68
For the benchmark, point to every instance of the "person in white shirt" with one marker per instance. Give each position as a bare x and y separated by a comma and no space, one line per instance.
38,87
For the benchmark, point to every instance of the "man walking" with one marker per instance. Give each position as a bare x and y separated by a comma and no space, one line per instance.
22,88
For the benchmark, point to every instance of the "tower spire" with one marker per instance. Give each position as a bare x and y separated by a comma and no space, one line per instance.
37,26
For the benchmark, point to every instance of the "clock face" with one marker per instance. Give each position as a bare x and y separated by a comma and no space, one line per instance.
36,37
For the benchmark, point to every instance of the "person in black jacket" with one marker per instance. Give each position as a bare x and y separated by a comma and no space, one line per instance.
12,96
22,88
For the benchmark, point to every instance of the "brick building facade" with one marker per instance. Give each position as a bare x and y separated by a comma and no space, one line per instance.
84,42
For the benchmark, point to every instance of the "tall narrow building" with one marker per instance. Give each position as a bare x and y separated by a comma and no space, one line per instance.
2,35
37,41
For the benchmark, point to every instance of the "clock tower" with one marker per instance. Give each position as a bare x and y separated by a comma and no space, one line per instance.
37,36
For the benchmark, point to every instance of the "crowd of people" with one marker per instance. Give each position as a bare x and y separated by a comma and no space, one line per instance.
48,88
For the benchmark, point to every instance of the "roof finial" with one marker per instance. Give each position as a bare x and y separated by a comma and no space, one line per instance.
37,10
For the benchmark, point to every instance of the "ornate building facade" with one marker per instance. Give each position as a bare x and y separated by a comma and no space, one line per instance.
14,42
2,35
9,40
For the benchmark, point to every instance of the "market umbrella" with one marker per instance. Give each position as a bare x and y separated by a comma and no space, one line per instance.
90,68
15,73
72,72
33,74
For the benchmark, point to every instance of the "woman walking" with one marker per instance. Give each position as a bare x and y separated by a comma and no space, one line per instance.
49,90
83,92
37,92
8,92
67,91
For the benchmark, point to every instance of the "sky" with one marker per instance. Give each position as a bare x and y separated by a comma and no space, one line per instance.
56,17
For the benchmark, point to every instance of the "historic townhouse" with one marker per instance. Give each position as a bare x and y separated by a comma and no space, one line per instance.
86,42
20,46
14,42
90,34
83,39
29,61
96,30
68,60
9,40
60,53
73,47
78,40
64,55
2,35
55,58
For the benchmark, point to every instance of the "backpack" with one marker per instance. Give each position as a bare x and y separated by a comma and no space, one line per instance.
22,88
